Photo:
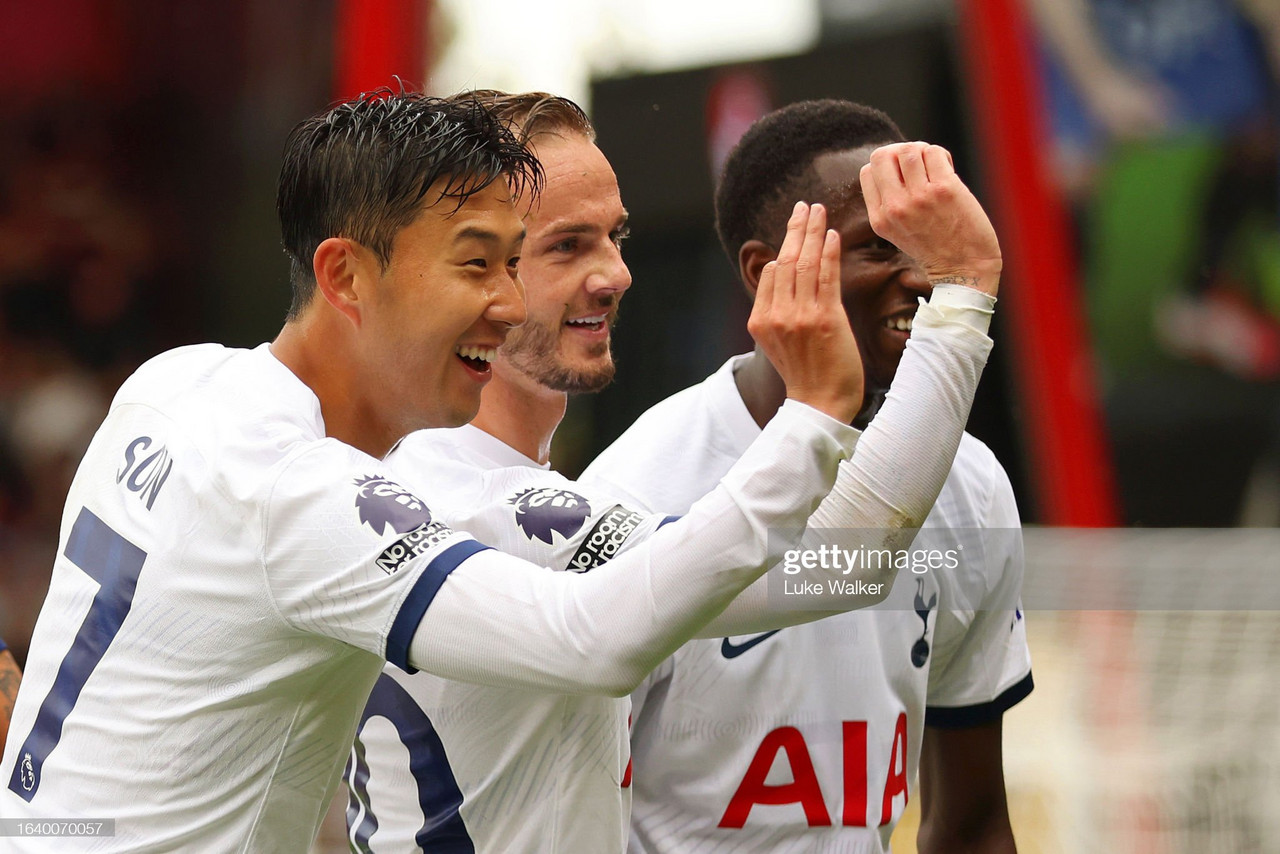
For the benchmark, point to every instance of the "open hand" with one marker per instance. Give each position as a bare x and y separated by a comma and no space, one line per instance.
800,323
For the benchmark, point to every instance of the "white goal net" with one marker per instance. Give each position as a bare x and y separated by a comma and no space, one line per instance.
1155,724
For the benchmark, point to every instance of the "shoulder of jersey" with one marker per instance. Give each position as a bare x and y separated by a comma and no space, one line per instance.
174,374
974,458
440,462
432,445
968,487
449,473
221,401
657,419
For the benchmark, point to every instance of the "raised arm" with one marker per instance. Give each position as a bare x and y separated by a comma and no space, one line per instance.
883,494
495,620
1128,105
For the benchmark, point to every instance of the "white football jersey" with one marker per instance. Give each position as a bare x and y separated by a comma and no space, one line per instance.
227,587
444,766
805,739
439,765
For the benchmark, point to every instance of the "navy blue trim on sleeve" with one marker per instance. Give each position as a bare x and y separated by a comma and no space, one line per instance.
668,521
420,597
959,717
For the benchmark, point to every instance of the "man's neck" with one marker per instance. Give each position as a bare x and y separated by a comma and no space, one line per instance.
349,415
762,389
764,392
522,414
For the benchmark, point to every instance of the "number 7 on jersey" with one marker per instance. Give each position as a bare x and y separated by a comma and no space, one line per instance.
114,563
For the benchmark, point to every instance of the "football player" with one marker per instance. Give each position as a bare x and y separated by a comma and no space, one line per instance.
828,723
236,565
439,763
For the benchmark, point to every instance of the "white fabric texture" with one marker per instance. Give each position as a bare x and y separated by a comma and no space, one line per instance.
505,754
602,631
231,676
745,744
886,489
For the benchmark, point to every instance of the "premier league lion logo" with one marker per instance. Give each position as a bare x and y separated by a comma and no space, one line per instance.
541,511
28,773
383,502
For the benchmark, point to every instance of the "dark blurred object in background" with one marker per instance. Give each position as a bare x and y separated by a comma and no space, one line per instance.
1164,126
137,168
685,313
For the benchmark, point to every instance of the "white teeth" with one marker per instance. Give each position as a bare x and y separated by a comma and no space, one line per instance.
587,321
902,324
484,354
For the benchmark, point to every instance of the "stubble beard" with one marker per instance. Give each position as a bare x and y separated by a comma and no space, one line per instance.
532,349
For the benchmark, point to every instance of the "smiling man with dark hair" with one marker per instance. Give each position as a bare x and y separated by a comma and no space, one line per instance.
441,765
846,708
235,565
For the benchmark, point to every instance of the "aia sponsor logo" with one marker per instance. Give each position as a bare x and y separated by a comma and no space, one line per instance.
145,469
541,511
384,503
873,788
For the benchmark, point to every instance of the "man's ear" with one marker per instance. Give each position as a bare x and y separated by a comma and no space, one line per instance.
340,266
752,257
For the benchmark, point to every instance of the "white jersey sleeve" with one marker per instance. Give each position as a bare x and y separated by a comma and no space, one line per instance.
338,558
518,507
886,490
605,629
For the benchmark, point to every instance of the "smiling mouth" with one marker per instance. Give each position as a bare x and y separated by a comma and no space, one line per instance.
477,358
900,323
593,324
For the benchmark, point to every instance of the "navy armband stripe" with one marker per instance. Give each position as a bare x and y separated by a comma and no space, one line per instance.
669,520
959,717
420,597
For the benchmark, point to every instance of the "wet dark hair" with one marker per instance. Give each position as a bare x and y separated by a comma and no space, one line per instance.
532,114
770,168
367,167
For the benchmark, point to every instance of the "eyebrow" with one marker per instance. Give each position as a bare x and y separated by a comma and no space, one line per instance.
583,227
484,235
